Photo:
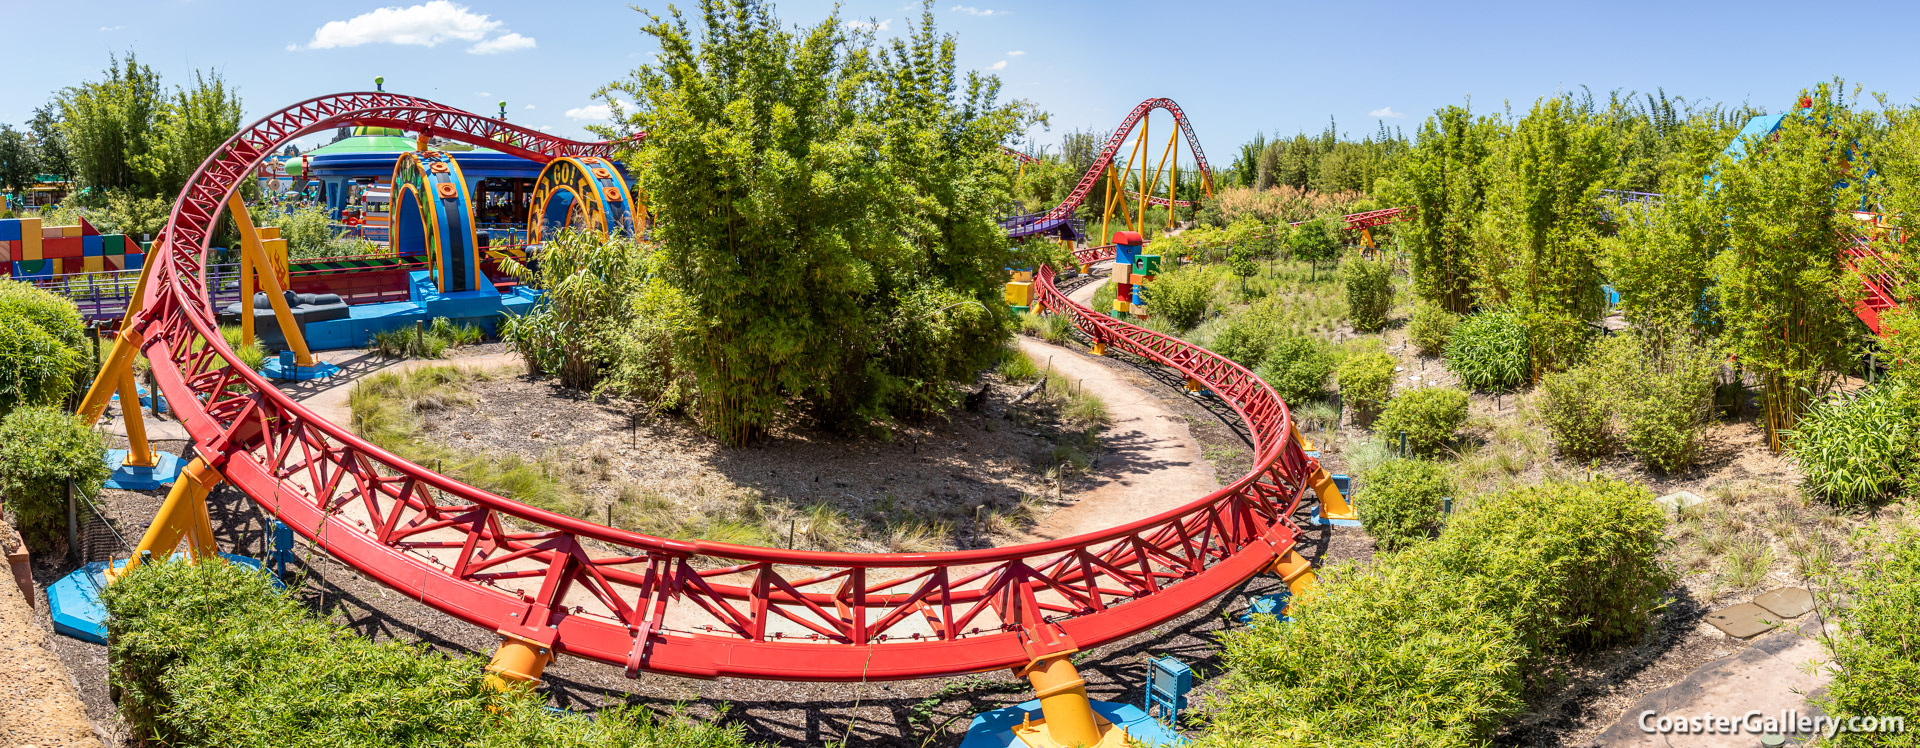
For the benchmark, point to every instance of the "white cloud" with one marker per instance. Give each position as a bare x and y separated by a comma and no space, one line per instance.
881,26
428,24
546,128
1016,53
113,28
972,11
529,106
483,94
592,112
1001,65
509,42
293,47
1385,111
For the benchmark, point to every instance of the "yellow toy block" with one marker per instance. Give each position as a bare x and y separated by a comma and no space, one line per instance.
1020,294
92,264
1122,306
30,240
69,231
1023,276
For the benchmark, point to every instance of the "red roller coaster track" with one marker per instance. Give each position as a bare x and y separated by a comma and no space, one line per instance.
691,608
1112,148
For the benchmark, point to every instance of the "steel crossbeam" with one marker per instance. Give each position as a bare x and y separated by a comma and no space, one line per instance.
693,608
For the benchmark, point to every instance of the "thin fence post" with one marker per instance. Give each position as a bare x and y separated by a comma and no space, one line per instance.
73,525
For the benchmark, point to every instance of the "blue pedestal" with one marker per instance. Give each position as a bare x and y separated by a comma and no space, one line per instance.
1266,605
274,368
995,729
74,601
165,471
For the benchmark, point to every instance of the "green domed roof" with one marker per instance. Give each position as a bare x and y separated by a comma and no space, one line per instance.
394,131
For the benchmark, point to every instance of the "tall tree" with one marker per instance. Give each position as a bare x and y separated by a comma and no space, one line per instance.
1441,177
17,159
110,126
48,144
1539,239
1785,300
194,122
827,206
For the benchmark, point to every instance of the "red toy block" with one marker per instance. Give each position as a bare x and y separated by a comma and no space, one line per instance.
61,248
87,229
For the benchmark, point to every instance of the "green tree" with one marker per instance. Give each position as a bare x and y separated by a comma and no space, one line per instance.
1785,301
193,123
17,159
1658,258
48,143
827,206
1315,241
1537,243
1441,177
111,126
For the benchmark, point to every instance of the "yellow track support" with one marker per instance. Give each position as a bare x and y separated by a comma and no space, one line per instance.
182,517
1295,570
517,662
1332,504
255,262
1067,717
119,361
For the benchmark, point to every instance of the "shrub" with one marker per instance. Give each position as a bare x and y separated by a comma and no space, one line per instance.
426,341
251,355
1248,336
1854,450
1876,663
1053,328
42,448
1431,328
42,345
212,655
1369,292
1102,301
1297,366
1662,382
1428,416
1401,501
1575,562
1575,406
1488,351
1366,381
1182,295
1440,635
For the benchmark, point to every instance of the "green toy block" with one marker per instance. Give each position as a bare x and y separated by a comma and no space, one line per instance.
1147,265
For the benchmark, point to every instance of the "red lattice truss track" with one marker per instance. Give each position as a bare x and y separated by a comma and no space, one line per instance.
691,608
1099,168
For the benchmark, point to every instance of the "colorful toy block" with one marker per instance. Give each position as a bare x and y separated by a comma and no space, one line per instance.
87,229
1020,294
30,239
60,247
91,246
70,232
10,230
92,264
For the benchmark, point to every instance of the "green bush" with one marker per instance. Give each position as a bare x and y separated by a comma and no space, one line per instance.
1102,301
1297,366
1575,405
1181,295
1489,351
1876,661
212,655
1369,292
1431,328
1366,381
40,449
1438,636
42,347
1661,380
429,341
1576,562
1053,328
1855,450
251,354
1248,336
1399,501
1428,416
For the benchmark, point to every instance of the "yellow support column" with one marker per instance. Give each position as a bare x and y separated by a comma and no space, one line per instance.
1067,717
126,345
252,252
182,517
246,298
1295,570
1332,504
139,452
518,661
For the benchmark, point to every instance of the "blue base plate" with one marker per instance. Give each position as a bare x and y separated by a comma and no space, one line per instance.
131,478
146,400
995,729
273,370
74,601
1266,605
1323,521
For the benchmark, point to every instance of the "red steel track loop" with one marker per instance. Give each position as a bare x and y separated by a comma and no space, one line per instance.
1099,169
692,608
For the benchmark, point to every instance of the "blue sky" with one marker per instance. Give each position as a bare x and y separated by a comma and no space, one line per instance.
1235,67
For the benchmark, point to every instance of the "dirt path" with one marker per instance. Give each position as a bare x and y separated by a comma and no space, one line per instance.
38,705
328,397
1152,462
